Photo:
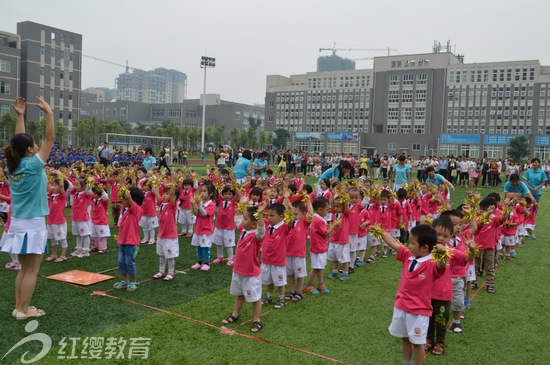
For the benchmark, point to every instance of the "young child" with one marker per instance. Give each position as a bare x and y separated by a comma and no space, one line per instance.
355,208
412,306
338,247
380,213
149,220
296,250
100,221
128,239
318,246
82,225
14,263
57,224
185,218
509,229
167,243
530,219
205,209
224,232
274,255
246,281
115,199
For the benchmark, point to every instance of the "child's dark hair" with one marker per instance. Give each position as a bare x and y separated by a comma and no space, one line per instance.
211,189
300,205
487,202
137,195
514,177
292,188
326,181
187,182
425,235
142,169
278,208
307,188
353,189
444,223
227,189
494,195
250,211
224,172
97,189
269,172
319,202
334,184
401,193
385,194
452,213
528,200
257,191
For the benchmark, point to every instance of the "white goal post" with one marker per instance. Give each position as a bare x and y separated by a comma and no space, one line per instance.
128,141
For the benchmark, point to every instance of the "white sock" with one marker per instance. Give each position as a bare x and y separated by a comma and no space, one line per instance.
171,266
86,243
79,243
229,253
190,228
219,249
152,234
146,235
352,256
162,264
14,258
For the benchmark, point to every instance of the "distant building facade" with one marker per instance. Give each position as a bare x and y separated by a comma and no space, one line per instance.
10,70
159,86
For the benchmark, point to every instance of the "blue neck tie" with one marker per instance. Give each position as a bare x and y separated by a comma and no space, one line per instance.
242,235
413,265
271,229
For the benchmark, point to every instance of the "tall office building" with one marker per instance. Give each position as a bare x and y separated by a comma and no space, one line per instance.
154,87
10,54
421,104
51,60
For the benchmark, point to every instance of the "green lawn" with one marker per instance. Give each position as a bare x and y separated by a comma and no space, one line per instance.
183,317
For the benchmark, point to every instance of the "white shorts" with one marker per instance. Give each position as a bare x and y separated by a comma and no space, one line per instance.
248,286
57,232
148,222
362,243
26,236
318,260
201,240
168,247
372,240
395,233
185,217
508,240
521,232
296,266
272,274
224,237
471,273
529,227
337,252
413,326
412,224
82,228
498,247
353,242
101,230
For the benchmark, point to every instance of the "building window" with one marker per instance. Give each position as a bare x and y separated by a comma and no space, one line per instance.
407,96
392,129
405,129
419,129
394,79
420,96
416,147
393,96
392,146
448,150
393,113
406,113
408,79
158,113
419,113
5,87
5,66
421,79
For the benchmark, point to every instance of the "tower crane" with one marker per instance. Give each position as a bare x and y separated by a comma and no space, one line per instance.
334,49
111,62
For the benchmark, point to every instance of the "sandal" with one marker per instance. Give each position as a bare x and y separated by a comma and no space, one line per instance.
439,349
132,286
256,327
490,288
120,285
22,316
289,296
297,297
169,277
158,275
60,259
230,319
428,346
51,258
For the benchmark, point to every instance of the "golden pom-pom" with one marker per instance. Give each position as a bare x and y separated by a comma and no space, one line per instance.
484,218
469,215
442,209
344,198
428,220
309,217
115,236
90,181
288,217
241,208
475,251
377,231
442,257
122,192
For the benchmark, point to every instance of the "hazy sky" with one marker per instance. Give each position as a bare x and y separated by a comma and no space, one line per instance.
252,39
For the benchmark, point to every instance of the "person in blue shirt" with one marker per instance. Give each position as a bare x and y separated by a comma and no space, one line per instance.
149,161
242,166
402,173
261,164
535,179
513,185
27,236
338,172
437,179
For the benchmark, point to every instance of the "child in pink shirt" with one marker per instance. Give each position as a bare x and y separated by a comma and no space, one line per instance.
205,209
167,243
149,220
82,225
224,232
100,221
57,224
185,218
338,247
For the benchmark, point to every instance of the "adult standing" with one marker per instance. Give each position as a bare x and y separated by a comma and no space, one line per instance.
242,166
376,165
149,161
535,178
513,185
402,173
27,235
220,156
103,154
163,156
261,164
443,167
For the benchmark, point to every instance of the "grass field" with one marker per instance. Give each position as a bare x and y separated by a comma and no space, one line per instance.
183,317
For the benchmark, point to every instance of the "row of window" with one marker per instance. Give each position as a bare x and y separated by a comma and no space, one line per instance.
5,87
502,74
61,74
406,96
411,63
54,53
406,129
342,81
52,94
408,79
407,113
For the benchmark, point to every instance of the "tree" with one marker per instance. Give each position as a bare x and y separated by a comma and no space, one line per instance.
518,148
254,123
282,137
7,127
185,131
217,135
251,136
235,137
60,131
194,138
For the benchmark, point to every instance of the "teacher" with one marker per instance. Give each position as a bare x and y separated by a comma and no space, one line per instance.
242,166
535,178
513,185
337,172
27,234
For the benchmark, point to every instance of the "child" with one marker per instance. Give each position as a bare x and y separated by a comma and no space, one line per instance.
510,226
530,218
246,279
224,232
149,220
185,218
100,221
296,250
274,255
256,196
354,211
318,246
115,199
167,244
412,308
338,247
204,208
128,239
82,225
14,263
380,213
57,224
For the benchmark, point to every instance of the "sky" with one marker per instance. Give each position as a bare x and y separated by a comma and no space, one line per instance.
253,39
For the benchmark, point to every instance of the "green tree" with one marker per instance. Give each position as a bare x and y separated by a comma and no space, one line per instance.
194,138
235,137
518,148
262,137
254,123
60,132
217,135
251,136
7,127
282,136
185,131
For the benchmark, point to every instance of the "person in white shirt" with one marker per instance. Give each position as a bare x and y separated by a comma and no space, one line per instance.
464,175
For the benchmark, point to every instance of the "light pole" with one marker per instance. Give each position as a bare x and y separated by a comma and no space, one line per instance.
205,63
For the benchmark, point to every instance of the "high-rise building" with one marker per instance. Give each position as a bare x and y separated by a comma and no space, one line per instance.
421,104
10,54
51,60
154,87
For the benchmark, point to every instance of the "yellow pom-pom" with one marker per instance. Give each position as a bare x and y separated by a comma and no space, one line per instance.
377,231
288,217
428,220
122,192
442,257
475,251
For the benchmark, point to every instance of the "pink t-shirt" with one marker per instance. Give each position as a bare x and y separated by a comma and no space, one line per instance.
415,288
205,224
380,215
79,212
486,235
167,221
364,216
407,211
274,245
442,288
458,270
396,211
129,225
99,212
226,213
296,238
56,204
532,217
354,212
414,204
114,191
149,204
186,196
341,234
245,261
318,242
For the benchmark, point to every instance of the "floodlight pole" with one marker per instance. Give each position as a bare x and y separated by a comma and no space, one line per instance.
205,63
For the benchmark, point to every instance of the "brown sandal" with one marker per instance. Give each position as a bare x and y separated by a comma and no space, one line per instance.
439,349
428,346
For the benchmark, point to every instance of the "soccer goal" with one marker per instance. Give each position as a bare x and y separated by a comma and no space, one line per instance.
131,142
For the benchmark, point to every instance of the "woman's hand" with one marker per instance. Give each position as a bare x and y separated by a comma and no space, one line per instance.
20,106
45,107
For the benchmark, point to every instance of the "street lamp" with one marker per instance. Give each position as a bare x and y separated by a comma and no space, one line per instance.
205,63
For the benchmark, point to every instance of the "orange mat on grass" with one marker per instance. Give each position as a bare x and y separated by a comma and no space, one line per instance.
80,277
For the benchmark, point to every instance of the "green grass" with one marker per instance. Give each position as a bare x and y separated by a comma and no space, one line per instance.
350,324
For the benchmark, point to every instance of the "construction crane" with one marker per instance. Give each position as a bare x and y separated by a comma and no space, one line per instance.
334,49
111,62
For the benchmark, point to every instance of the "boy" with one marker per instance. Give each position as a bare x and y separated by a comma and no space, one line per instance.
185,218
380,214
412,308
246,281
274,255
339,245
318,246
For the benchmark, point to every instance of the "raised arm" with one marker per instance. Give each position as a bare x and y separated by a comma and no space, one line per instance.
49,139
20,106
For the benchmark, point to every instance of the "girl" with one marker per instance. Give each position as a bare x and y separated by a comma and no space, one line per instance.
128,238
204,208
224,233
149,220
14,263
82,225
57,224
167,245
185,217
100,221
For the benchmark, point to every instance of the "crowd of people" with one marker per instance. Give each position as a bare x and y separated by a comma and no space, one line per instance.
358,213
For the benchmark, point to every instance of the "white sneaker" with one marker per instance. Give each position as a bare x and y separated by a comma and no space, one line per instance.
151,241
144,240
83,254
76,253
